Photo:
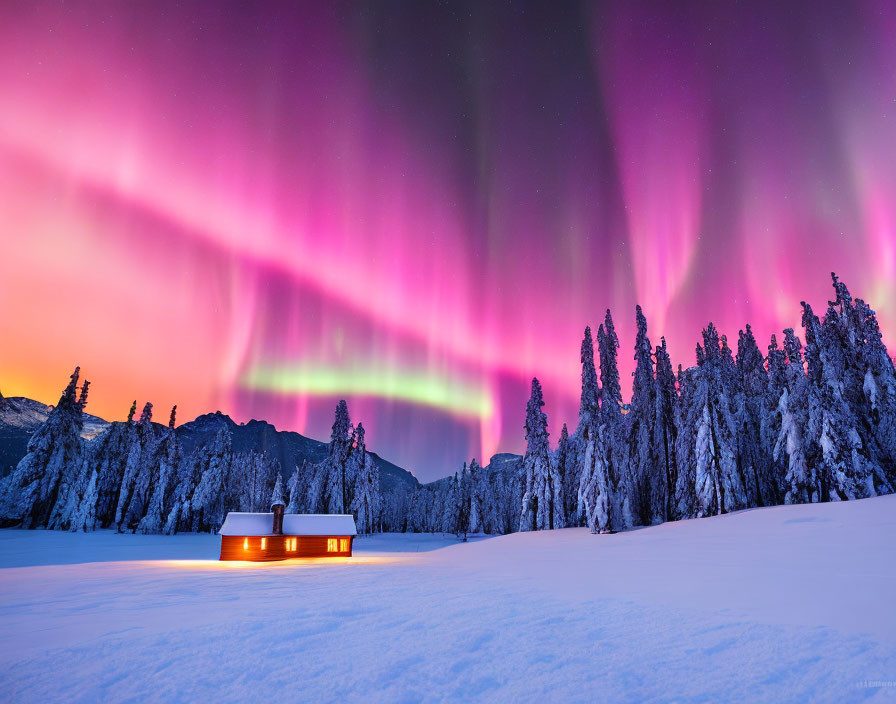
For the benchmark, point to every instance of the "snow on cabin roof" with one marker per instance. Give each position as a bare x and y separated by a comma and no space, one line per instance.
293,524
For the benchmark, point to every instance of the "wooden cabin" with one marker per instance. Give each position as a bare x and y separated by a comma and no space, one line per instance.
265,537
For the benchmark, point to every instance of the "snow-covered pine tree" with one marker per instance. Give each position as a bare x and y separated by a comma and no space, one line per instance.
315,498
567,472
718,485
450,503
172,417
464,500
689,418
584,438
295,486
53,455
589,406
848,467
84,519
337,492
645,478
595,495
180,517
477,509
542,504
878,401
416,511
109,459
277,498
612,428
594,492
665,433
74,481
209,505
138,474
770,421
366,505
167,456
800,482
752,380
82,399
253,475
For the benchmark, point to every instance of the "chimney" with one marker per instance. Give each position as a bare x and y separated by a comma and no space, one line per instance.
278,519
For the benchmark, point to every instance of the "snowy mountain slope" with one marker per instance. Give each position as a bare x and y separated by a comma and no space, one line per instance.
786,604
20,417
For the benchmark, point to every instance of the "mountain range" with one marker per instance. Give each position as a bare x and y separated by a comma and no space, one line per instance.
20,417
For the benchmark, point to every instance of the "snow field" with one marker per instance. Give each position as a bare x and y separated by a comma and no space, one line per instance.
782,604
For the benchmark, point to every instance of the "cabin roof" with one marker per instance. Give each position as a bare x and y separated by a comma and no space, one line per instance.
238,523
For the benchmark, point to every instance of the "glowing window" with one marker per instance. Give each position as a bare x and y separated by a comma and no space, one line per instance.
343,545
291,544
264,543
245,543
331,545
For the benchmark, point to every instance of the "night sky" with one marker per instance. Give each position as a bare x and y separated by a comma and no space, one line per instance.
418,206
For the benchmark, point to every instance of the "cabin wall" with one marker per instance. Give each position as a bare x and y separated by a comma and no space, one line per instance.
232,547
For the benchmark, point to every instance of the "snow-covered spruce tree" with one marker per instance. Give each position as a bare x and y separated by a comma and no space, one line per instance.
542,504
74,482
770,424
857,350
752,382
612,428
393,516
594,491
295,487
848,466
167,456
718,485
450,504
68,503
464,498
647,484
689,417
665,432
253,475
800,483
109,459
210,501
416,511
589,409
482,502
582,444
589,405
367,503
315,500
84,519
54,454
878,389
338,489
180,517
277,498
567,471
138,474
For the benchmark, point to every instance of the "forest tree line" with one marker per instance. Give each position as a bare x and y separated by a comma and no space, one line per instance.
803,423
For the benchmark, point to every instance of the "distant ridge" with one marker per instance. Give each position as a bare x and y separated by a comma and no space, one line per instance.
20,417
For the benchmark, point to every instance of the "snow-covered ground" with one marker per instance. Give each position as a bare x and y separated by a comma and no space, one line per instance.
784,604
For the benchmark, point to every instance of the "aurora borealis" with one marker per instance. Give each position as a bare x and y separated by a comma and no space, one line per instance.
419,206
